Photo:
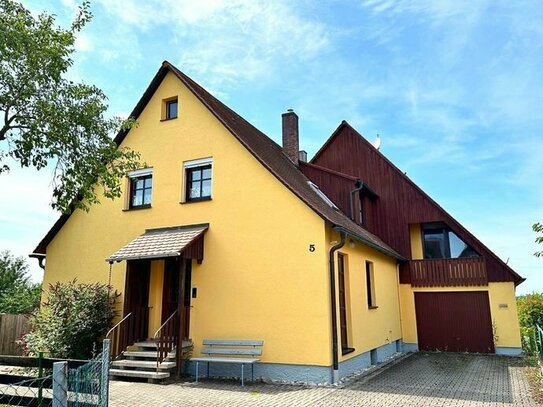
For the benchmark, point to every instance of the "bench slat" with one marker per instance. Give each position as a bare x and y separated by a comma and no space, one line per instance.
225,360
222,351
233,342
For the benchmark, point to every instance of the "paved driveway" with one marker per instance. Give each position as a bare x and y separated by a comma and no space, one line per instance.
421,380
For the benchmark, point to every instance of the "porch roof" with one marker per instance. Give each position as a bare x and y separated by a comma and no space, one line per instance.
184,241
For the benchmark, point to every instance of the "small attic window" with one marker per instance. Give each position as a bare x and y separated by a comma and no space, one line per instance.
169,108
322,195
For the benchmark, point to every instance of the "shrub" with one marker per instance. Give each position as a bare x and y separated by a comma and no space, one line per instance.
73,320
530,312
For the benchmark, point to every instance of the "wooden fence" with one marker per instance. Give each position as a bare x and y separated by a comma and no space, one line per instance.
12,327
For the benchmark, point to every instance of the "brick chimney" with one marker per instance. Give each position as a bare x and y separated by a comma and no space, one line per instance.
290,135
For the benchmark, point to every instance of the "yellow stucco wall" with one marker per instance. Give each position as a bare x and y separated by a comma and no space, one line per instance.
504,320
416,241
369,328
503,308
258,279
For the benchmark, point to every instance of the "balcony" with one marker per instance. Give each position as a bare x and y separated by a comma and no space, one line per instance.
448,272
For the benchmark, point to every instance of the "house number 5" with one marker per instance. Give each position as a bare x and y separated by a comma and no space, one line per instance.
311,247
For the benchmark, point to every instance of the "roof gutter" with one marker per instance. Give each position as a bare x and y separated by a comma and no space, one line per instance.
358,187
368,243
40,257
335,357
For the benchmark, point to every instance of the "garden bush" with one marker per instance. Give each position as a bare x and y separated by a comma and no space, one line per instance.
530,312
72,321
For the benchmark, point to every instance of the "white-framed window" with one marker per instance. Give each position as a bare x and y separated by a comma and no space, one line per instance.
198,180
140,188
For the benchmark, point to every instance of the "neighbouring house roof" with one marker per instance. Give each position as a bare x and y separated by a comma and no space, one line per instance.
160,243
264,149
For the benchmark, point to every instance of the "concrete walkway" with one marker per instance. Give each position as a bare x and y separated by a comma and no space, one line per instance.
420,380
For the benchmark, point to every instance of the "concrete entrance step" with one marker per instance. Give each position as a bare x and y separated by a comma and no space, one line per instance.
143,364
139,373
146,344
146,354
153,344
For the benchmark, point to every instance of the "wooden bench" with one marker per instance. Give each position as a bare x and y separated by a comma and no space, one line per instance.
233,351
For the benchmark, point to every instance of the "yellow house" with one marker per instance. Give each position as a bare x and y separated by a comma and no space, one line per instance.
227,235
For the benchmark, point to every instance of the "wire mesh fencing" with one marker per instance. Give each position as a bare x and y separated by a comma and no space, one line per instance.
84,386
30,392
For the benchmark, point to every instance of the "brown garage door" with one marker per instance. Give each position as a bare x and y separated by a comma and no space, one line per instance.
454,321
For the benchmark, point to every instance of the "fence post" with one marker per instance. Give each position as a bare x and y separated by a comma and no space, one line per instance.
60,384
104,380
40,375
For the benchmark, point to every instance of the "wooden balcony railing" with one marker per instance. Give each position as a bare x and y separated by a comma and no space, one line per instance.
448,272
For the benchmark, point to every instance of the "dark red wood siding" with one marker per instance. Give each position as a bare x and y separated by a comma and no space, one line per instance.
448,272
336,184
454,321
400,201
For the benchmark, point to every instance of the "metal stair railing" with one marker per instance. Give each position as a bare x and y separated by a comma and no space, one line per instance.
119,336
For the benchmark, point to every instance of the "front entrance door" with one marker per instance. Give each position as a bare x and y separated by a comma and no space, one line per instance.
137,297
170,293
177,279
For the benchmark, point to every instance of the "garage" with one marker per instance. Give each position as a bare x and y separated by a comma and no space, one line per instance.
454,321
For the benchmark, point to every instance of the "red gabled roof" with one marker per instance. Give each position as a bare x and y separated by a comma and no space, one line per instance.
264,149
352,168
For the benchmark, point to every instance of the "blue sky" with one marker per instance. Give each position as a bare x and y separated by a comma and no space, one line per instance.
453,87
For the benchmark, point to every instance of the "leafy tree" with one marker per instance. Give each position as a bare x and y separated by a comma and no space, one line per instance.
45,117
17,294
530,312
538,228
71,323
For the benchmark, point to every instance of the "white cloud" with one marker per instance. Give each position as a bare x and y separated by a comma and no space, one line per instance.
226,42
83,43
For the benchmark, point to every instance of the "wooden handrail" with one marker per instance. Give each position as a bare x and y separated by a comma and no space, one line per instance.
167,337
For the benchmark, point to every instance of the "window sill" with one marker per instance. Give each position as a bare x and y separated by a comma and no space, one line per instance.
137,208
207,198
346,351
373,307
167,120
